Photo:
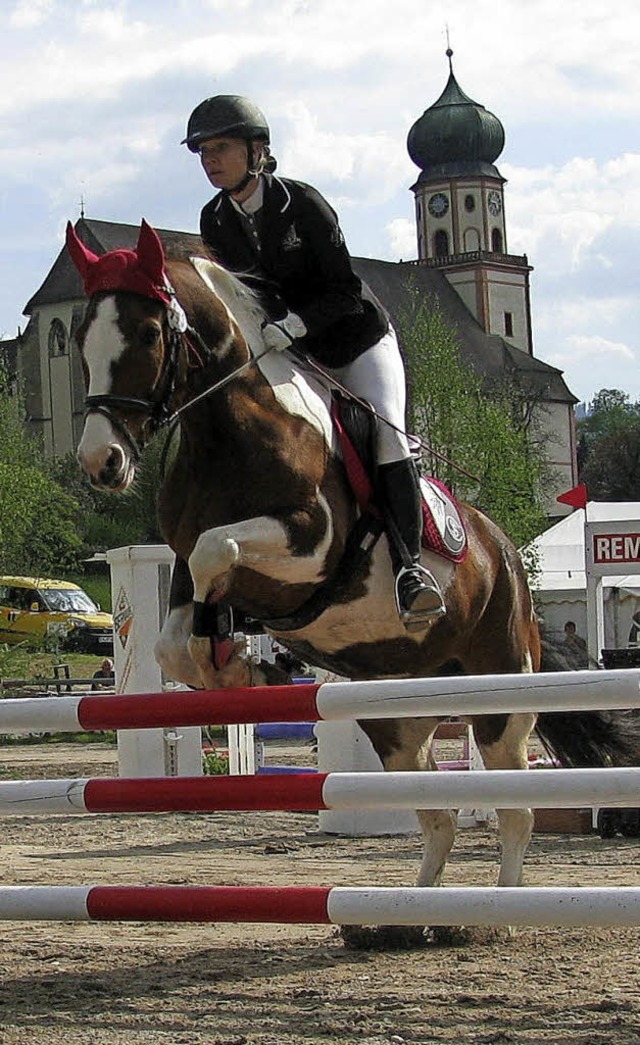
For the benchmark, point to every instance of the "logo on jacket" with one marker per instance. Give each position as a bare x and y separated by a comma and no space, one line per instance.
291,239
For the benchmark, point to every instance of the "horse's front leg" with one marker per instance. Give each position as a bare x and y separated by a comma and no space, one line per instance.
263,545
171,650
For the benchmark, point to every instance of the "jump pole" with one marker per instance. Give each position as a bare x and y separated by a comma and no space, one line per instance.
316,905
502,789
330,701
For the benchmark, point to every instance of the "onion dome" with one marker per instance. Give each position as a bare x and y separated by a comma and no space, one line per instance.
455,135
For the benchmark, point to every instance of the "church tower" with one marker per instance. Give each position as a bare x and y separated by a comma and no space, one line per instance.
460,214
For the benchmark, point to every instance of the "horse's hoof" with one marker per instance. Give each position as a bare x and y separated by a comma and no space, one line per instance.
382,937
464,935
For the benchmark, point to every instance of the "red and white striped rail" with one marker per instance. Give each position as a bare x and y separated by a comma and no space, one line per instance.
389,698
312,905
502,789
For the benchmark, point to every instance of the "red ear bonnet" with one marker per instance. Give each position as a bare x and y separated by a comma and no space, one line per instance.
139,271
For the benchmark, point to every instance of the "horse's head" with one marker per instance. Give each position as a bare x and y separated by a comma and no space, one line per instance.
134,350
128,346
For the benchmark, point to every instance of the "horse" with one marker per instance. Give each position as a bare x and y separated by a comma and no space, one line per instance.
257,507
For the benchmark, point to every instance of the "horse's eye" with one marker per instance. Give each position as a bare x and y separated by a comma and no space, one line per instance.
149,333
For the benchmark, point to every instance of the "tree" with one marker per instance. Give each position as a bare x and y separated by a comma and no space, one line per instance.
37,516
609,447
487,433
107,520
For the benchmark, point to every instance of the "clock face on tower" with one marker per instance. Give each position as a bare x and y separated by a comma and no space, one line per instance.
438,205
494,202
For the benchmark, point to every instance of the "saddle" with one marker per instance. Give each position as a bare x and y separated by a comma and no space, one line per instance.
443,531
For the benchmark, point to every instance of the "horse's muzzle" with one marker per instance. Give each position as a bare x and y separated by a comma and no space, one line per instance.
115,472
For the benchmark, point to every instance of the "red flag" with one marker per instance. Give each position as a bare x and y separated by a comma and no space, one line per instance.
577,497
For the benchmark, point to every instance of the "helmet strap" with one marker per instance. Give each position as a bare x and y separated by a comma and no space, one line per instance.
253,171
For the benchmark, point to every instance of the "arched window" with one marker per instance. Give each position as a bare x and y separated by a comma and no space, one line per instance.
58,341
496,241
471,240
440,244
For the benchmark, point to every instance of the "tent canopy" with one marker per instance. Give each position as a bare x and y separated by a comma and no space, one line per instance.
559,551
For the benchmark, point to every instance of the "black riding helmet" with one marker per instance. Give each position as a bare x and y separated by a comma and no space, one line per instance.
226,115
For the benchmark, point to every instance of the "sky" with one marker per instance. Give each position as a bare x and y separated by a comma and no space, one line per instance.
95,95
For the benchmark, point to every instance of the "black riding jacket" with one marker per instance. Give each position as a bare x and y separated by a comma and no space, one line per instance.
302,266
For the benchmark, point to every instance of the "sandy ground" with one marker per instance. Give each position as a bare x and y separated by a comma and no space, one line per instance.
110,984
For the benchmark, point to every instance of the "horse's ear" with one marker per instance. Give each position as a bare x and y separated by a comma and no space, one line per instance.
150,252
82,257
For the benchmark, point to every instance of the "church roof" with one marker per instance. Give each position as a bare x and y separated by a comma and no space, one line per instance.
456,135
392,282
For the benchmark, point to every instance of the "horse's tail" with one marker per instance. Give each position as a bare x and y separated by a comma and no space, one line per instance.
587,738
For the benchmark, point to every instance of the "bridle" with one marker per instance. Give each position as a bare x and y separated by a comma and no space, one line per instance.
156,409
159,414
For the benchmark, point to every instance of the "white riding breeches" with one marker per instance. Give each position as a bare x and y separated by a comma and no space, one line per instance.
378,376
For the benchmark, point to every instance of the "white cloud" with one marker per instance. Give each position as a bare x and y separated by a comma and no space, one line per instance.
578,348
401,235
28,13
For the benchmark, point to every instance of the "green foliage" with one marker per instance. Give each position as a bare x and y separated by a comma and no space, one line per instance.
214,764
37,516
609,448
109,520
461,423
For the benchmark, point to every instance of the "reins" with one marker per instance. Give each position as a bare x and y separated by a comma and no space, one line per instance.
159,416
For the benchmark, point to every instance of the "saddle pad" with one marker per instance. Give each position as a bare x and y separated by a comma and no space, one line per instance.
443,531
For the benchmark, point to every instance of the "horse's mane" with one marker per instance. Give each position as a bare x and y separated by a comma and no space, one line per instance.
242,302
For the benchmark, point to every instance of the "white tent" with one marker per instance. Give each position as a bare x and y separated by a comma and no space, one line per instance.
560,586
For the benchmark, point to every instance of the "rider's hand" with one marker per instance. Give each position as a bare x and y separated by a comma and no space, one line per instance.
281,334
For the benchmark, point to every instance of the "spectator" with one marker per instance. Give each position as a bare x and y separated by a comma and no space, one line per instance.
104,677
575,645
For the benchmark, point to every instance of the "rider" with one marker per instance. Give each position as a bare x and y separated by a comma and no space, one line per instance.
283,239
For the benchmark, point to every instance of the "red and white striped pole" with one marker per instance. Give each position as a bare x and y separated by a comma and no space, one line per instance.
329,701
310,905
502,789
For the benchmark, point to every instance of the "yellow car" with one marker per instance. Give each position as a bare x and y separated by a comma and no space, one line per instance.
31,609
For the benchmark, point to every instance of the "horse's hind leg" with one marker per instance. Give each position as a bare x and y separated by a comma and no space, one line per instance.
404,745
502,740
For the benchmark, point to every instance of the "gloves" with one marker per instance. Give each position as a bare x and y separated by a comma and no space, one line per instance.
284,332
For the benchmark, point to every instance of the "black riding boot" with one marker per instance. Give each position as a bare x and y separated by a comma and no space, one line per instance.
418,595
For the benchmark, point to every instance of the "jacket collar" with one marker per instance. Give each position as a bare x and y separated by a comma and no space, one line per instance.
275,193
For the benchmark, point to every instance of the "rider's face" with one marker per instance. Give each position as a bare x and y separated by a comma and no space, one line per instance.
224,161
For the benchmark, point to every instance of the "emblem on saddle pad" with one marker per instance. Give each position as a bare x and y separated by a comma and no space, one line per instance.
443,530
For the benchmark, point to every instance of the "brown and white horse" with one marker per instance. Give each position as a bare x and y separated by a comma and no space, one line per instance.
256,506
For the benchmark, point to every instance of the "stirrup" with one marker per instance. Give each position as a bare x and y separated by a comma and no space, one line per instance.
418,596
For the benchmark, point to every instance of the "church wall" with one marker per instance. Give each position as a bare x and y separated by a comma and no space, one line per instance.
52,377
554,425
506,295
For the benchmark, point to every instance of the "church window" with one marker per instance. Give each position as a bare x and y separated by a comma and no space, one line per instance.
469,203
508,324
58,344
496,241
471,240
440,244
